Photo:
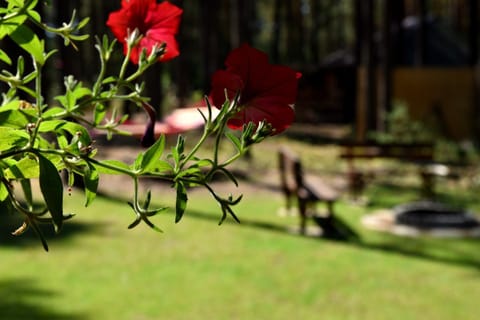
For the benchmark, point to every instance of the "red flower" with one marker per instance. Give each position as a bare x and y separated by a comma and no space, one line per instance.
267,92
157,24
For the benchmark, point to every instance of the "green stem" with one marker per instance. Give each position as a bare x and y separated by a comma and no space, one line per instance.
128,172
233,158
98,84
38,102
16,204
195,148
218,140
123,69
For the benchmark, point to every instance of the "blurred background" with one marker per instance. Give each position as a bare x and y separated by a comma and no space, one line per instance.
393,71
359,59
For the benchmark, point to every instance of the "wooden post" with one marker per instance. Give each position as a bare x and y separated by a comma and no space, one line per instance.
366,116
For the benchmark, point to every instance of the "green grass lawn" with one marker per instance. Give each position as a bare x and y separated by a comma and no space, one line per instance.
97,269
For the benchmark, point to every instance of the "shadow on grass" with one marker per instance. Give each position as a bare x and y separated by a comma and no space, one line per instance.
20,299
418,248
459,252
10,222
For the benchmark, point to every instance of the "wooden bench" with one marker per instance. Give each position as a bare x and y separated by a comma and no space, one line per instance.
296,188
419,153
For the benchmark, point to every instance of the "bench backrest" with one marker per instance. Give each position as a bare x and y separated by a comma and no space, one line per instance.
290,171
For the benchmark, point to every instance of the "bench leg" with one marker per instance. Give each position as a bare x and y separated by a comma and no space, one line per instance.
302,210
356,183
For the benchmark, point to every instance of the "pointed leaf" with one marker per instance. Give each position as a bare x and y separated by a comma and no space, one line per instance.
152,155
161,166
25,168
28,41
4,57
235,140
181,203
11,138
90,179
9,26
52,190
3,192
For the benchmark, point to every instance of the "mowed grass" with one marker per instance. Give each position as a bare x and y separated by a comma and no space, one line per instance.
98,269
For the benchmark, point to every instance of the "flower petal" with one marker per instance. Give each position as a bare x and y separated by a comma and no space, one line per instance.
267,92
223,80
157,23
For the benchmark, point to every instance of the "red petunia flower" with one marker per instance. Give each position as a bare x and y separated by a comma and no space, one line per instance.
267,92
157,24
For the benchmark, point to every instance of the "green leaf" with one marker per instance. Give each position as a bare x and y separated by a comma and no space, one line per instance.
177,151
83,23
32,4
11,105
99,113
53,112
161,166
28,41
17,118
52,190
50,125
81,92
12,138
9,26
192,171
3,192
75,129
16,3
35,15
137,164
181,203
108,80
62,141
235,140
4,57
204,163
152,155
90,179
26,168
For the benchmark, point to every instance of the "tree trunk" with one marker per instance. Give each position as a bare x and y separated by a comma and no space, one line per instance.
277,30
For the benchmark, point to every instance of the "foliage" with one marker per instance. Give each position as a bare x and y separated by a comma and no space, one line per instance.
38,140
400,127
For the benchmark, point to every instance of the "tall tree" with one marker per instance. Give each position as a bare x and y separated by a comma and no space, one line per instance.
278,9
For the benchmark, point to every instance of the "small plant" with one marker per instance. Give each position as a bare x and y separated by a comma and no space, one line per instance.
39,140
401,128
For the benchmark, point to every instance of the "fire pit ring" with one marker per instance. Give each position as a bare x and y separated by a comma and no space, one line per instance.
431,215
424,218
